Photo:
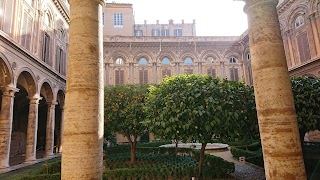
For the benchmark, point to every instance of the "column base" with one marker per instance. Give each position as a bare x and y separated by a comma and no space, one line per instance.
4,167
30,160
48,155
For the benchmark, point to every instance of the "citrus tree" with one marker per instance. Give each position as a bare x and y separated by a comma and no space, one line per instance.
194,108
306,92
124,112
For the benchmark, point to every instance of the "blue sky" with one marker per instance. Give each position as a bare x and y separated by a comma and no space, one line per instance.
213,17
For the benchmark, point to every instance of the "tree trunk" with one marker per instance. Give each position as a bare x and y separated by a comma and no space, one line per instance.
201,159
176,148
273,93
133,145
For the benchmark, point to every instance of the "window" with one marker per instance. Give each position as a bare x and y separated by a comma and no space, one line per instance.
138,33
249,69
60,35
155,32
143,61
119,61
60,58
188,61
166,72
117,19
303,46
233,60
46,44
165,61
178,32
47,20
143,76
188,71
234,76
26,31
103,18
165,32
212,72
119,76
299,21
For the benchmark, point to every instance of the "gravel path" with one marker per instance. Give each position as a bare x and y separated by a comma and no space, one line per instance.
243,171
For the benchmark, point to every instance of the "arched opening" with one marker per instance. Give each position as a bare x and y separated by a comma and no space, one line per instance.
26,86
45,103
58,122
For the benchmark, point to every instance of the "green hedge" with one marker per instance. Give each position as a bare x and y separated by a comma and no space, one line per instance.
51,168
56,176
153,144
252,157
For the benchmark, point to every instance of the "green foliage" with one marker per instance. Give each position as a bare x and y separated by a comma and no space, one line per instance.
251,152
51,168
56,176
306,93
163,163
124,109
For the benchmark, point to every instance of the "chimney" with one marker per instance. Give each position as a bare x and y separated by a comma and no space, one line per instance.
170,21
145,21
182,21
157,21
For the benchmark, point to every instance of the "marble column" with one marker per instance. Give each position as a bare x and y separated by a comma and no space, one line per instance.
61,130
278,125
315,33
32,129
50,129
83,118
6,116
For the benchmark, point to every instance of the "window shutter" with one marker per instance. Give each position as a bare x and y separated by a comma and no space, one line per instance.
236,75
231,74
140,76
117,76
303,46
145,77
121,76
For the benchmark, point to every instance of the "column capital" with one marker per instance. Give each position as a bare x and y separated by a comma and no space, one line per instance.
9,90
34,99
253,3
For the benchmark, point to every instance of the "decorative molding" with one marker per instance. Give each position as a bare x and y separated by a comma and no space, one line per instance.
62,7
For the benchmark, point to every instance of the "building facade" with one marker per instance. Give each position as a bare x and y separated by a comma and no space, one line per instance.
33,58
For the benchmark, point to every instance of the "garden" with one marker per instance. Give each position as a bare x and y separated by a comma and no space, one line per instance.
191,108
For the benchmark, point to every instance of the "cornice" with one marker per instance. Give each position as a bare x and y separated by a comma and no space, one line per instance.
284,5
65,12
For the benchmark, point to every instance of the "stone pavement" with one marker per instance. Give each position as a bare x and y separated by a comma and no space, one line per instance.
243,171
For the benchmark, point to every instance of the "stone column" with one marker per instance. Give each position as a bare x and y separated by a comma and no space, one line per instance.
315,33
32,129
278,126
50,129
6,115
61,129
83,120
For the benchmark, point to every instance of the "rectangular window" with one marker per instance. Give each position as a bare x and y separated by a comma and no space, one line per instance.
212,73
234,75
143,76
178,32
60,59
117,19
303,46
166,72
188,71
165,32
155,32
26,31
138,33
46,44
119,76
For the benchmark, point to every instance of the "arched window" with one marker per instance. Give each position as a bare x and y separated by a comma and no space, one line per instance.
299,21
119,61
143,61
248,57
233,60
210,60
166,61
188,60
47,20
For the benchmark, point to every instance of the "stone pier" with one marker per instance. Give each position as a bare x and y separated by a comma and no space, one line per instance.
83,115
275,106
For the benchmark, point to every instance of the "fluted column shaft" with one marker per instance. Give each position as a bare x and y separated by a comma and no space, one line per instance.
83,121
32,129
50,129
278,126
6,116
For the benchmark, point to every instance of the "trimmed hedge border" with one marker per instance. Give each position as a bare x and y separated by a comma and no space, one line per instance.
56,176
251,152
